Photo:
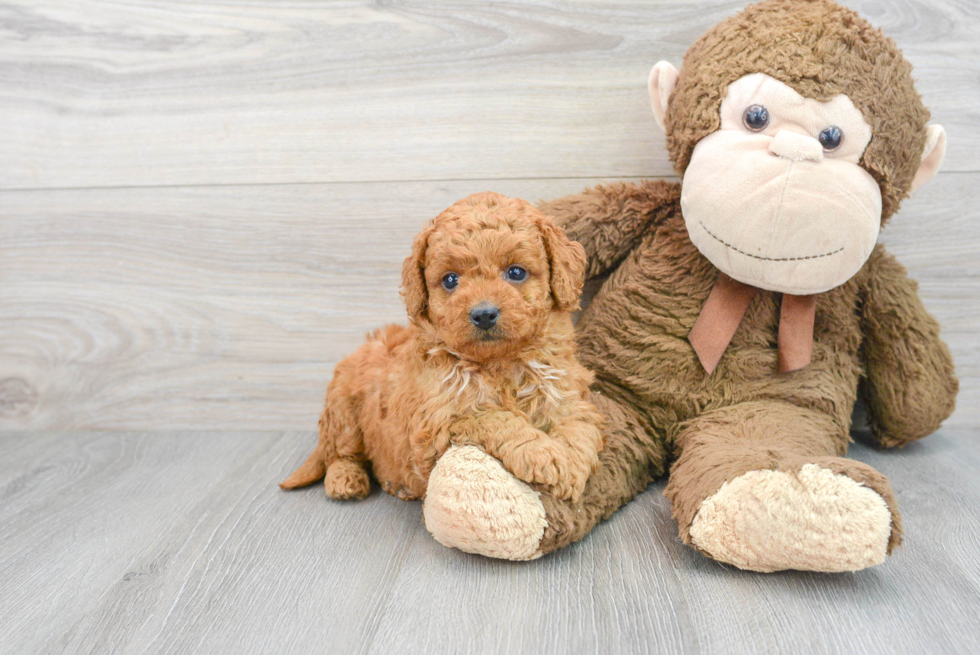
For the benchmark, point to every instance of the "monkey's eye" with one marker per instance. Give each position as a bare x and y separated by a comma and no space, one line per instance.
449,281
756,118
516,274
831,137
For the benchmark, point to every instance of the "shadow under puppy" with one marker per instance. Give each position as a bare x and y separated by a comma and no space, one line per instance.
488,360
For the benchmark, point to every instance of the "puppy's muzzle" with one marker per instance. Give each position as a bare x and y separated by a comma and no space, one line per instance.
484,316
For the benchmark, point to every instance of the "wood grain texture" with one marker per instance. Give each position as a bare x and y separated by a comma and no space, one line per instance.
181,543
227,307
178,92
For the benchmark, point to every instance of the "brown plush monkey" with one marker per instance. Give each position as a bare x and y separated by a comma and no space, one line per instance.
746,307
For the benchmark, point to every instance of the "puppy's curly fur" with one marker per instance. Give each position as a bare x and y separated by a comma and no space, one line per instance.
516,389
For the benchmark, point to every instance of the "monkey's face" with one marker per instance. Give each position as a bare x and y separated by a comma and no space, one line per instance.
776,197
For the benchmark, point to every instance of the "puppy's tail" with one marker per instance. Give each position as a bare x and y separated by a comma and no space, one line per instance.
312,470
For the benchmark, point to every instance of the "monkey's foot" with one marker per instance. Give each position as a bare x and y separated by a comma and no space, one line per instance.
812,519
474,504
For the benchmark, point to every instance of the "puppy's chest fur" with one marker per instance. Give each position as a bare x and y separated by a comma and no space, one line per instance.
533,388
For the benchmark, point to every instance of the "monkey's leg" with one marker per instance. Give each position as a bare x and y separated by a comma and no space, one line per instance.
474,504
764,486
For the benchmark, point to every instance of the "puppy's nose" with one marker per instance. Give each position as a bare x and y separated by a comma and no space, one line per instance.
484,315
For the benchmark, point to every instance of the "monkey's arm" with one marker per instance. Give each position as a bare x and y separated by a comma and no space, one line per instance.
910,383
610,219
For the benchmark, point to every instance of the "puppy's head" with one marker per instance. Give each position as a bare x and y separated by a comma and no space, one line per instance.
486,273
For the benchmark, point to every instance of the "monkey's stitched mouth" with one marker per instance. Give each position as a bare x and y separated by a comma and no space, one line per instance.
768,259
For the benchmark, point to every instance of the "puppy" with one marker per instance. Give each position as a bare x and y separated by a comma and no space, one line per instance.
488,359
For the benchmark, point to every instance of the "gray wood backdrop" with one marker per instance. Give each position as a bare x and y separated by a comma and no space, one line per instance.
204,205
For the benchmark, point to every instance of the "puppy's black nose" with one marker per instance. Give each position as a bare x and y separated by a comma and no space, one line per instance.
484,316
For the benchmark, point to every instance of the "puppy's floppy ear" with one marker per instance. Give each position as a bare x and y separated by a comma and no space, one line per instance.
567,260
413,290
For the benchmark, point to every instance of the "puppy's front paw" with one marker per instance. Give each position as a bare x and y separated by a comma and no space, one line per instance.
549,463
573,477
583,446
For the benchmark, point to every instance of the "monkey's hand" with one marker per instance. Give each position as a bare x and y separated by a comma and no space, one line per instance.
910,385
609,220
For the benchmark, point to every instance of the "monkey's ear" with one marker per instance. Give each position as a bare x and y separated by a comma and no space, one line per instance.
413,290
932,156
567,261
663,79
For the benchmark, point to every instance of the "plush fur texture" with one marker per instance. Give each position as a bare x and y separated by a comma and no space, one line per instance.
515,390
744,417
744,425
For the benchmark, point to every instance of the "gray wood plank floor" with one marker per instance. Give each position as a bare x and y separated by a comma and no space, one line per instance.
204,206
180,542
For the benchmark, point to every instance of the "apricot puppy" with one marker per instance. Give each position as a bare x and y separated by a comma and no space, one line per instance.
488,359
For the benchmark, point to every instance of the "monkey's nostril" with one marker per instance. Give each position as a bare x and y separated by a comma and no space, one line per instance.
484,316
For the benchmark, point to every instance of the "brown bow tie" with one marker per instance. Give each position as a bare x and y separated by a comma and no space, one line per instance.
723,311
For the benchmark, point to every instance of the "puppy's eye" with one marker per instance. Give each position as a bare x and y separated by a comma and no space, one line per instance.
831,138
449,281
756,118
516,274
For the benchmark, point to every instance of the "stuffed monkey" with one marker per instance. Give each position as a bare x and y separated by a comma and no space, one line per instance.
747,307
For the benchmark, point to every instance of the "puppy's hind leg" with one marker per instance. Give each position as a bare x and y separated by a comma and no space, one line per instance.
347,479
339,456
342,443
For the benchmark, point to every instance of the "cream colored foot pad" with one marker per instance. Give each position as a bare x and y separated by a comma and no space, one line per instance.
816,520
474,504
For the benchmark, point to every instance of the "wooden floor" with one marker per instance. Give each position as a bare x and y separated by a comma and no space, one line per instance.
204,205
180,542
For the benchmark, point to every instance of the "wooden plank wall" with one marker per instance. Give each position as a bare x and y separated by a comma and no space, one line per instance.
204,205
